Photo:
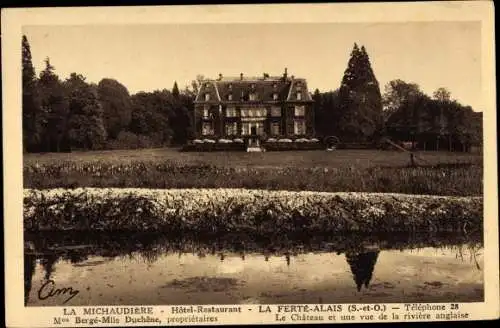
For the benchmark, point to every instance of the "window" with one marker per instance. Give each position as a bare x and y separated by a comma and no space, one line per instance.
244,112
207,128
299,127
231,129
252,96
275,86
231,112
299,96
300,111
260,128
245,128
275,96
276,111
207,96
206,111
275,128
230,97
230,87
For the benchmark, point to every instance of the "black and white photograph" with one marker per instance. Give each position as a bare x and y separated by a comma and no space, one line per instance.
253,163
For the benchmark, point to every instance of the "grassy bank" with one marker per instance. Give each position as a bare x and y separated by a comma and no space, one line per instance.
241,210
352,171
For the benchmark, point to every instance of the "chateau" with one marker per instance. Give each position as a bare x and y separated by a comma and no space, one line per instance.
254,108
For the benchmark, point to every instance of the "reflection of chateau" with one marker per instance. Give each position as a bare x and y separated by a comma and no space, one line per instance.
362,265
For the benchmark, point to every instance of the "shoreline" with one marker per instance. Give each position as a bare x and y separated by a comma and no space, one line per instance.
246,210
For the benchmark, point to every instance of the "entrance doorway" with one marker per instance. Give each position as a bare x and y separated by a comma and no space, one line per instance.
253,141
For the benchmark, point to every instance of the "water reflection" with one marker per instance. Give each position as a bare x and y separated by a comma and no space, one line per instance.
362,265
361,251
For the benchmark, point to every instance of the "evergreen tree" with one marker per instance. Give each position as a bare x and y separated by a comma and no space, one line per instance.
360,110
54,110
86,124
32,118
175,91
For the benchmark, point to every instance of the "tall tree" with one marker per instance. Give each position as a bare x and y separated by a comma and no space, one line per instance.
116,106
360,110
442,94
150,116
32,118
175,91
398,93
54,108
326,110
86,124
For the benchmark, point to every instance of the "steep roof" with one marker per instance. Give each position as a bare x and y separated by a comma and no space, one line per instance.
264,89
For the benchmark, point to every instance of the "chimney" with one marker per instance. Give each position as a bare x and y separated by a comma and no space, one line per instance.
220,76
286,73
241,76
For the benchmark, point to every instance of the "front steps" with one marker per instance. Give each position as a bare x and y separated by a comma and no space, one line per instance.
253,149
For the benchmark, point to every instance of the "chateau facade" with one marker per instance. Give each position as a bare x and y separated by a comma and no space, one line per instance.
254,107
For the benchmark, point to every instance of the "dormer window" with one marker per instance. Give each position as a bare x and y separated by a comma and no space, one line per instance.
207,96
275,96
299,96
275,86
300,111
230,87
253,86
230,97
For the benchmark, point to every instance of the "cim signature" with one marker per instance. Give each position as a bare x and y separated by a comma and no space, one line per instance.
48,290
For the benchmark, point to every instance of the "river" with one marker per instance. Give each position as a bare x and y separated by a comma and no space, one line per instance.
158,269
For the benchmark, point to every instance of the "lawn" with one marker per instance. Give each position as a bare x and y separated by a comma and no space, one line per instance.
301,159
436,173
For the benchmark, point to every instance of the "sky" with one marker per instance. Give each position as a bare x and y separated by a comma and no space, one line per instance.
151,57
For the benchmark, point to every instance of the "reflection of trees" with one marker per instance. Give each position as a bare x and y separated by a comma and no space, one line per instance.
77,247
76,257
29,271
48,262
362,265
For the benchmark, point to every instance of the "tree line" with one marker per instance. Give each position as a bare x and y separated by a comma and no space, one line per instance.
358,112
72,114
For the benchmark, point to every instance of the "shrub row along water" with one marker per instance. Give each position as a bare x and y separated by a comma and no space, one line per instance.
464,180
243,210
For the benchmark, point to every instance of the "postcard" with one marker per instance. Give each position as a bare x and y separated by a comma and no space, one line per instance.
250,164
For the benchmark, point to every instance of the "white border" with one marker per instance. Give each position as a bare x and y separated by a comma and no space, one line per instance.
14,19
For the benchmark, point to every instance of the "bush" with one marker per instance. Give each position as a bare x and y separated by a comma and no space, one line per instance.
301,145
201,147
